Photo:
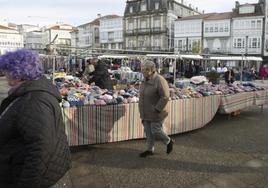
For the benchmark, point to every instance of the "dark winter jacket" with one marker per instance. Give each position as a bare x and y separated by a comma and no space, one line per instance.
34,152
154,96
101,76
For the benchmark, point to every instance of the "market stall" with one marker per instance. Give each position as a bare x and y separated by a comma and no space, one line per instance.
240,101
100,124
246,64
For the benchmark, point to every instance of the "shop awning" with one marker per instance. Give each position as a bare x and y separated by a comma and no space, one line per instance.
186,56
173,56
113,57
168,56
237,58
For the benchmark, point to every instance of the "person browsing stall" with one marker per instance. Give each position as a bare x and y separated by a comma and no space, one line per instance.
34,151
154,96
100,75
89,69
229,76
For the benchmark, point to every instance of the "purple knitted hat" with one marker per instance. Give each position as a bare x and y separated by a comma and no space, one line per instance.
21,64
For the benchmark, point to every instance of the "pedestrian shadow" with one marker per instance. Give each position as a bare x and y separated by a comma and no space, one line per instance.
125,158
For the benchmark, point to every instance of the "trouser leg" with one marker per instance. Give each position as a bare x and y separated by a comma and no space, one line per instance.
157,131
149,135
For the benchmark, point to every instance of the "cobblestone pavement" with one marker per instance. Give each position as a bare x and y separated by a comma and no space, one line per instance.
229,152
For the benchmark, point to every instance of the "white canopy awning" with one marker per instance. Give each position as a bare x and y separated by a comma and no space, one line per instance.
173,56
170,56
187,56
113,57
237,58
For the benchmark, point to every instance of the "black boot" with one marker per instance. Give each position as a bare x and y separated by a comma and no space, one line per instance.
170,146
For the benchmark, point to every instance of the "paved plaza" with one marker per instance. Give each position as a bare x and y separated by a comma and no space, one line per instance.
229,152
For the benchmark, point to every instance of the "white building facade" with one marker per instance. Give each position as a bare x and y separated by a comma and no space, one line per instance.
36,40
237,32
188,34
247,29
88,35
111,32
60,36
149,24
10,39
217,33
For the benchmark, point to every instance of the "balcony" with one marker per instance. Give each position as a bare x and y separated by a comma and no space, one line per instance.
129,32
143,31
156,30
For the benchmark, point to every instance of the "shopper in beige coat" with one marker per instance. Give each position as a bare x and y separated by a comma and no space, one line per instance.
154,96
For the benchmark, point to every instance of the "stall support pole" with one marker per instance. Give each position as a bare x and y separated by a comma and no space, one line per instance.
53,69
241,68
174,71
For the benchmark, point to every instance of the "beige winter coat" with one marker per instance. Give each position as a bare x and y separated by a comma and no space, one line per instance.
154,95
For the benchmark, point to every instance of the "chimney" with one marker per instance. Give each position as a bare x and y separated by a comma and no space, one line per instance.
98,15
190,5
203,12
181,1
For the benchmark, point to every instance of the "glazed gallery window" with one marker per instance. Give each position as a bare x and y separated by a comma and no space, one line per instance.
239,43
258,24
143,24
143,7
156,5
130,25
157,22
255,42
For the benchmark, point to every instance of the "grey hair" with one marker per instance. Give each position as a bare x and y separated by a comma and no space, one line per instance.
148,66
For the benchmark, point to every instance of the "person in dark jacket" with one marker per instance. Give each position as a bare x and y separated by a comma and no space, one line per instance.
101,76
34,152
229,76
154,96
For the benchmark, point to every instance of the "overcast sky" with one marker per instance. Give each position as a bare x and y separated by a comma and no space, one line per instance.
77,12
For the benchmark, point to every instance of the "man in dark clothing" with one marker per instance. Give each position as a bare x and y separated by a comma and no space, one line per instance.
101,76
34,152
229,76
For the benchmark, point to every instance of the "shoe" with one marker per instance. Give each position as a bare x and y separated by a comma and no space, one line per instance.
170,146
146,153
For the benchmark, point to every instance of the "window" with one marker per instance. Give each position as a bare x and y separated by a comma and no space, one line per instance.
216,28
211,28
143,24
253,24
226,29
113,46
254,42
157,42
258,24
156,5
157,22
236,24
221,27
143,7
130,9
130,26
241,24
239,43
110,35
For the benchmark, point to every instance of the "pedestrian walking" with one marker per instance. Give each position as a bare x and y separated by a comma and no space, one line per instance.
154,96
34,152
